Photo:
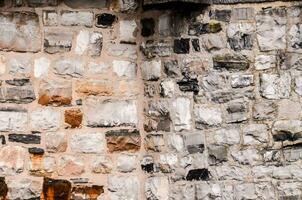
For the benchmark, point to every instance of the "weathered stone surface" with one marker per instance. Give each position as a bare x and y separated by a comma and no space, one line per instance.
38,3
97,68
154,142
213,42
182,119
204,28
175,142
89,43
41,66
271,29
69,66
45,119
50,18
188,84
85,4
56,189
167,88
105,20
288,109
123,140
127,6
111,113
157,188
245,191
73,117
126,162
124,69
263,62
247,156
25,138
17,91
243,13
221,15
127,51
151,70
12,160
20,31
19,66
152,49
57,42
181,46
55,92
24,188
264,110
195,45
56,142
194,143
217,154
207,116
128,29
159,118
69,165
13,120
102,164
147,164
235,62
287,130
123,187
224,137
255,134
87,192
295,37
168,162
241,36
239,81
236,111
77,18
275,86
87,143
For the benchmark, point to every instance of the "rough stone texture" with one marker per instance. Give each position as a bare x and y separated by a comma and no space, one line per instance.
153,99
20,31
112,113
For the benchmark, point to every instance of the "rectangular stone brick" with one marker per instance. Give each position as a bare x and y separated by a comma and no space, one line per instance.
76,18
123,140
109,113
56,41
13,119
20,31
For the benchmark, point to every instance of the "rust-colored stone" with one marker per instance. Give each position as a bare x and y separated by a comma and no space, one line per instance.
56,189
3,189
54,100
87,192
73,117
123,140
94,88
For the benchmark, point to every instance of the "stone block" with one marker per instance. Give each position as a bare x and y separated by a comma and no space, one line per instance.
50,18
73,67
102,164
45,119
126,162
124,69
56,41
73,117
12,160
56,142
157,188
24,188
123,140
20,31
88,143
77,18
263,62
128,29
110,113
105,20
69,165
275,86
13,120
182,119
89,43
123,187
241,36
151,70
207,116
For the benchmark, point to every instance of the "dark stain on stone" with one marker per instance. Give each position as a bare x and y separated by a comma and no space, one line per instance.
25,138
56,189
181,46
195,148
18,82
148,26
195,45
244,41
201,28
87,192
198,175
2,138
36,151
149,168
286,135
3,188
221,15
188,84
105,20
230,62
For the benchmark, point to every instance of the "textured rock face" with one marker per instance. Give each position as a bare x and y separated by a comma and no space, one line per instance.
20,31
153,99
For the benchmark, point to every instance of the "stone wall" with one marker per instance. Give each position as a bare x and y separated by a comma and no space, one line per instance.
105,100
